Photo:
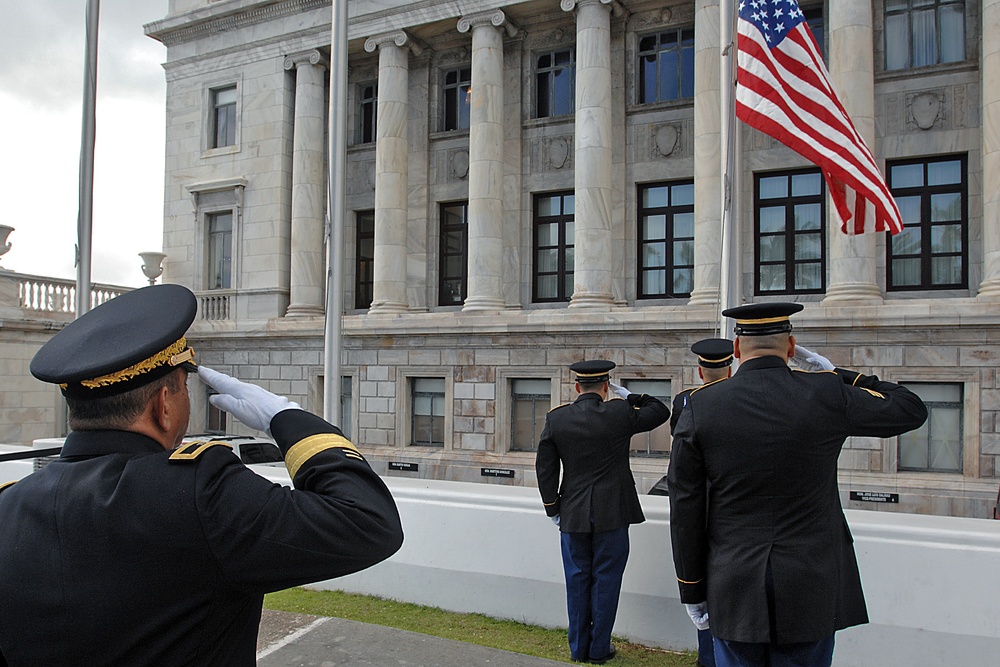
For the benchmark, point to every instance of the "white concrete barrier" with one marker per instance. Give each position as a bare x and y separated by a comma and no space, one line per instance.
930,582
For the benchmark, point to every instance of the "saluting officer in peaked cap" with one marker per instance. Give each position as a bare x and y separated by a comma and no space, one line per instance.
122,344
763,319
592,372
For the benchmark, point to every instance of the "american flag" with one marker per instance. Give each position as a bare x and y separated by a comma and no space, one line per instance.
783,89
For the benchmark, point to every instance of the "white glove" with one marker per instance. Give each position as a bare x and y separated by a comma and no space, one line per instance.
618,390
555,519
811,361
252,405
699,614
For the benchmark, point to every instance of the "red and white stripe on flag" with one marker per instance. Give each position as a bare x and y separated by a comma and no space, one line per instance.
783,89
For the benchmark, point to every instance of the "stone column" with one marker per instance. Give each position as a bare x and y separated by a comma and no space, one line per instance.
990,287
391,172
592,160
486,160
707,155
852,71
308,185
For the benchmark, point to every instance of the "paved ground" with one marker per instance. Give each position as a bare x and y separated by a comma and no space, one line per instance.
297,640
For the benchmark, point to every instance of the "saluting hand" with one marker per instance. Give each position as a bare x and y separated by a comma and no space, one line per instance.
618,390
252,405
811,361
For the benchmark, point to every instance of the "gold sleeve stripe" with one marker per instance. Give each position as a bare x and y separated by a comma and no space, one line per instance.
305,449
856,380
7,485
689,582
550,504
193,450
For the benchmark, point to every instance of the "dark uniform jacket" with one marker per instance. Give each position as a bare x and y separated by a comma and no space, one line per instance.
590,439
123,553
753,482
680,400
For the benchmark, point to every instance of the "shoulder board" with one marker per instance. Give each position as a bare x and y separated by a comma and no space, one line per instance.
190,451
707,384
7,485
560,406
803,370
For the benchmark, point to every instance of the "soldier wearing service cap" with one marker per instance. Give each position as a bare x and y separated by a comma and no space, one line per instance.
134,549
596,500
761,546
715,362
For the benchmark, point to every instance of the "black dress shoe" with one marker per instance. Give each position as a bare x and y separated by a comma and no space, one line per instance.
609,656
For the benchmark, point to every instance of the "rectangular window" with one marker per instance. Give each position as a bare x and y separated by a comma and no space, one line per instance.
453,285
814,19
555,74
530,401
657,441
937,445
215,419
364,264
220,250
666,240
932,250
346,405
457,90
427,412
666,65
553,248
790,232
224,117
919,33
367,108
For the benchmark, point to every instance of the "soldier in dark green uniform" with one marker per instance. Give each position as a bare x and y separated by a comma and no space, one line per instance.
132,549
596,500
760,542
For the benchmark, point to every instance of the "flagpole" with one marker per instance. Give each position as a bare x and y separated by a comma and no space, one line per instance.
84,220
337,168
730,163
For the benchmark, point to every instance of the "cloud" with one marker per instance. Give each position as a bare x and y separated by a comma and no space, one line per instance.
41,88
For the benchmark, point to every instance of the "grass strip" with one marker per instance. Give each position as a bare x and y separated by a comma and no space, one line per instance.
472,628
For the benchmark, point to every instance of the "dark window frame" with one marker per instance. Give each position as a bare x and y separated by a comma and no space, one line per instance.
541,404
545,82
670,239
909,12
456,108
224,117
367,111
667,41
433,396
926,256
445,279
932,409
562,273
364,265
790,233
219,267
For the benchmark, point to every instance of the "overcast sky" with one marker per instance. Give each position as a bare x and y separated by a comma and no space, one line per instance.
41,92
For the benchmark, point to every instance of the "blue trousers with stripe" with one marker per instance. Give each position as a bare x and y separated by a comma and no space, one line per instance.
594,564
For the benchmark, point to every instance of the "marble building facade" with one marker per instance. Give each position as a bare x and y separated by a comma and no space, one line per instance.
532,183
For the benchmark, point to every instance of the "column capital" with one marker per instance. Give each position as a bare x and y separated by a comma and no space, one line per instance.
399,38
617,8
496,18
310,57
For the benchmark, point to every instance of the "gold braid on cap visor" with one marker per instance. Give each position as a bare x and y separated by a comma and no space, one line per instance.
174,355
765,320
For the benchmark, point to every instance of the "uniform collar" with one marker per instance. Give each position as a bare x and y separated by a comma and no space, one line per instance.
758,363
589,396
99,443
